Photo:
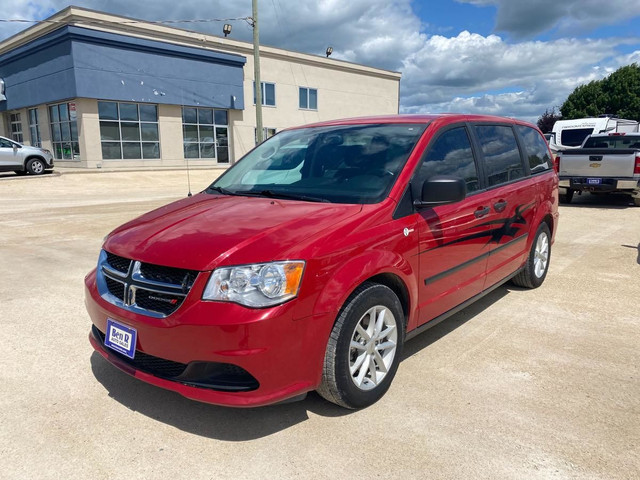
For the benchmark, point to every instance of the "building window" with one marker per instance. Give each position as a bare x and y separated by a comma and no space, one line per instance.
16,128
129,130
206,134
268,94
64,131
308,98
266,133
34,128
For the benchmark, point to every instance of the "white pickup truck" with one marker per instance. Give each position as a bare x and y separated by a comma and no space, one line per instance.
605,163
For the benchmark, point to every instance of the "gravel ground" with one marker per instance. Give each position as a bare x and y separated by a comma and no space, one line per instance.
523,384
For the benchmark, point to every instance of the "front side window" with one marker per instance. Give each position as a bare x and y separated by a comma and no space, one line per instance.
16,127
449,154
308,98
501,155
205,133
268,94
536,148
129,130
342,164
34,128
64,131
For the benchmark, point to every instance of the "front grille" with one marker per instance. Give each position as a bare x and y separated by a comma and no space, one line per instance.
118,263
115,287
145,288
176,276
158,302
224,377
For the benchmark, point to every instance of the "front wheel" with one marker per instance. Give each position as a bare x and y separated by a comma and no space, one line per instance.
537,266
35,166
364,348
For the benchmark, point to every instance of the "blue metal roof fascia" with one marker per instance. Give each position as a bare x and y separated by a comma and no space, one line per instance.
122,41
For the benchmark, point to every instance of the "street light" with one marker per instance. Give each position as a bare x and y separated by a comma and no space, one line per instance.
329,51
226,29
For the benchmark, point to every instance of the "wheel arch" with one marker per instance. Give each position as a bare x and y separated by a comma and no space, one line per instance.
381,267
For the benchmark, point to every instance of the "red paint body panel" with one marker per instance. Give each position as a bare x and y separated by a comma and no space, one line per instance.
343,245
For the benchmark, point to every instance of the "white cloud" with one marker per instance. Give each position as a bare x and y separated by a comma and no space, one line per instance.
464,72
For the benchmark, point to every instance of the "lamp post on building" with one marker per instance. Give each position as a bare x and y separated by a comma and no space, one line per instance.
256,69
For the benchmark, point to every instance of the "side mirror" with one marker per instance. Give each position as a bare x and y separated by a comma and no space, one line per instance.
441,190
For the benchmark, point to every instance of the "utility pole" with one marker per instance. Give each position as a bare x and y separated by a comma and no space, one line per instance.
256,70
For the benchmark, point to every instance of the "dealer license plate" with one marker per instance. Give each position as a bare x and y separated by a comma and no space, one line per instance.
121,338
594,181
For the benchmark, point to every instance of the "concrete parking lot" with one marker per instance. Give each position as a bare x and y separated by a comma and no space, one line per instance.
524,384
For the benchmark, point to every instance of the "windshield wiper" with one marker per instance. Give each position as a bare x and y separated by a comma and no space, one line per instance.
273,194
221,190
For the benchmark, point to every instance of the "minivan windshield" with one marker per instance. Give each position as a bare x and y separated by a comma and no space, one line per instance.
339,164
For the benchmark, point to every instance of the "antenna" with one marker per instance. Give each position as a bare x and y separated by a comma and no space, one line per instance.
188,177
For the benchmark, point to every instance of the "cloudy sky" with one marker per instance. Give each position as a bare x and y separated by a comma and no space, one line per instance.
504,57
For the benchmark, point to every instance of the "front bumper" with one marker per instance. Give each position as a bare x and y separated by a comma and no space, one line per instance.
272,354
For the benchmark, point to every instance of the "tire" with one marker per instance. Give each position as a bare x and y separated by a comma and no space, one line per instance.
36,166
537,266
346,383
567,197
636,201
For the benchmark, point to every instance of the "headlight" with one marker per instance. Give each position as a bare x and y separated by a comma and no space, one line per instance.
258,285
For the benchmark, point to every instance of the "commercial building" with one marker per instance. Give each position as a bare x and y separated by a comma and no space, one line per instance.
104,91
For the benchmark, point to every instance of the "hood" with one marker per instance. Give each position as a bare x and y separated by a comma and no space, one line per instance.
204,231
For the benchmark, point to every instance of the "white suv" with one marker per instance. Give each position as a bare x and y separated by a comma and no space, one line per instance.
23,158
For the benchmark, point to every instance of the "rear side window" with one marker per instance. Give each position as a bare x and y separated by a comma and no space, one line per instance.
536,149
449,154
501,155
573,137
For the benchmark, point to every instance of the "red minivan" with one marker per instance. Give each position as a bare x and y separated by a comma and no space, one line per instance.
309,263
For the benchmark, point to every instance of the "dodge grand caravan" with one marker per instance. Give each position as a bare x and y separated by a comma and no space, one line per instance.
309,263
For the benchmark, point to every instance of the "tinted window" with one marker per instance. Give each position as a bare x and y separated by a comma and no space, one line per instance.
573,137
501,155
449,154
536,149
614,141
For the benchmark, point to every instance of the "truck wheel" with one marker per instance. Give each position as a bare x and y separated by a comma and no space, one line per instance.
535,270
35,166
364,348
566,197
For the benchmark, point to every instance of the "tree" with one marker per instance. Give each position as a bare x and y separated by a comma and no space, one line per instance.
618,94
547,119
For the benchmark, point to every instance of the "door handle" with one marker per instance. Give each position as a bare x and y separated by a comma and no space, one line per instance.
500,206
481,212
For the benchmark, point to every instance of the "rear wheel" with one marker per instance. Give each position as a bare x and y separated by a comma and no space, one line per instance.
636,201
566,197
364,348
35,166
535,270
